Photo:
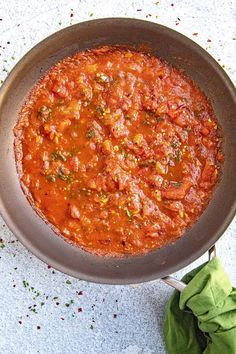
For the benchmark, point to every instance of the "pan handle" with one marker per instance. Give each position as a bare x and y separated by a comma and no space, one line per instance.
178,284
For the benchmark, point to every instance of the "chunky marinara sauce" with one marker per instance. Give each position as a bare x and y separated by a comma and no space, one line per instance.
118,150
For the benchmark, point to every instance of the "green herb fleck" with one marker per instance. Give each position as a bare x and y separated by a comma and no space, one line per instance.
124,154
146,122
68,282
159,119
91,327
37,293
175,144
69,303
25,283
90,134
91,14
129,214
65,177
58,155
177,184
34,310
102,78
147,163
100,110
177,155
51,178
44,113
2,245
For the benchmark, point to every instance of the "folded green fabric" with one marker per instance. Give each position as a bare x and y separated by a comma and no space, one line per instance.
202,319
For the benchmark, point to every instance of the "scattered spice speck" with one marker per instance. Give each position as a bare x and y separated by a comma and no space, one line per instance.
68,282
91,326
2,245
195,34
91,14
33,310
25,283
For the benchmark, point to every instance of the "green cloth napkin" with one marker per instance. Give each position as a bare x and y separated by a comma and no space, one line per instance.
202,319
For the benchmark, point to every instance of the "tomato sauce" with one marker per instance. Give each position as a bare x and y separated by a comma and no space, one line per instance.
118,151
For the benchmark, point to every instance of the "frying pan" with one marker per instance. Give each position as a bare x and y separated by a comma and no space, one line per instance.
35,234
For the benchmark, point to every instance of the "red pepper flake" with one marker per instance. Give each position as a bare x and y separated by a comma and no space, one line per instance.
49,267
71,15
209,40
79,292
114,315
171,4
20,322
80,309
195,34
62,318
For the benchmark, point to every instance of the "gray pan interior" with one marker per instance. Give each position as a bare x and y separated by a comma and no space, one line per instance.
31,229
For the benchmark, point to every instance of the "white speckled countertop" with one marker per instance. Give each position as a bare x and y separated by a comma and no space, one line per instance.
44,311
